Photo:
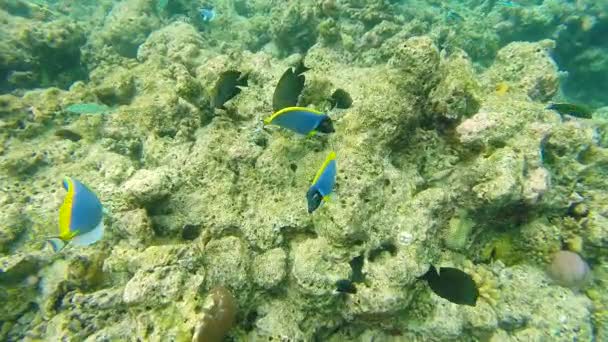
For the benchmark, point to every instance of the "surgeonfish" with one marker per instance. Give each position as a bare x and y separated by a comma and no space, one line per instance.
289,87
571,109
227,87
301,120
452,284
80,217
323,183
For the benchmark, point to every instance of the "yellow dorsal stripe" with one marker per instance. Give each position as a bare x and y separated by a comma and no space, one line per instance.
65,212
330,157
269,119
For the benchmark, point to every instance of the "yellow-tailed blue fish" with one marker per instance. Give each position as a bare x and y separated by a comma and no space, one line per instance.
323,183
301,120
80,217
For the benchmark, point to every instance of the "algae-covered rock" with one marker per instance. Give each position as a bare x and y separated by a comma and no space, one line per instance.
147,186
458,93
15,268
127,26
178,42
500,180
154,287
314,270
417,59
227,262
117,87
29,46
278,319
136,225
566,315
528,68
269,269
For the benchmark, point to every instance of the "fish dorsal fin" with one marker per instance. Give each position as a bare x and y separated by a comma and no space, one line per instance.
65,211
287,110
331,156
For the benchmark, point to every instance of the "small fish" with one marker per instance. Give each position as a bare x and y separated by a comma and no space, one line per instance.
502,88
68,134
323,183
345,286
80,217
571,109
452,284
207,14
341,99
508,3
301,120
289,88
227,87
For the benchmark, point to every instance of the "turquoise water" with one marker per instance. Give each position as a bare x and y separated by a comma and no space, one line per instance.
470,136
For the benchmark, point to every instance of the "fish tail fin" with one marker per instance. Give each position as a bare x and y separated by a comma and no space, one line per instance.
57,244
301,68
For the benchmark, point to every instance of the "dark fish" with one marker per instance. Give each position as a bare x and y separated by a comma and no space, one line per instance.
289,88
571,109
227,87
68,134
345,286
452,284
341,99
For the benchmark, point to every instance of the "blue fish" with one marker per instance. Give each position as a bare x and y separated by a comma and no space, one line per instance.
80,217
301,120
207,14
323,183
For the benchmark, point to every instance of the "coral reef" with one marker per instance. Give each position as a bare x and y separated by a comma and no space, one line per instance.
448,156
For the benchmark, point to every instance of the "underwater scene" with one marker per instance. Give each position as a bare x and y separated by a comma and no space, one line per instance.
304,170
